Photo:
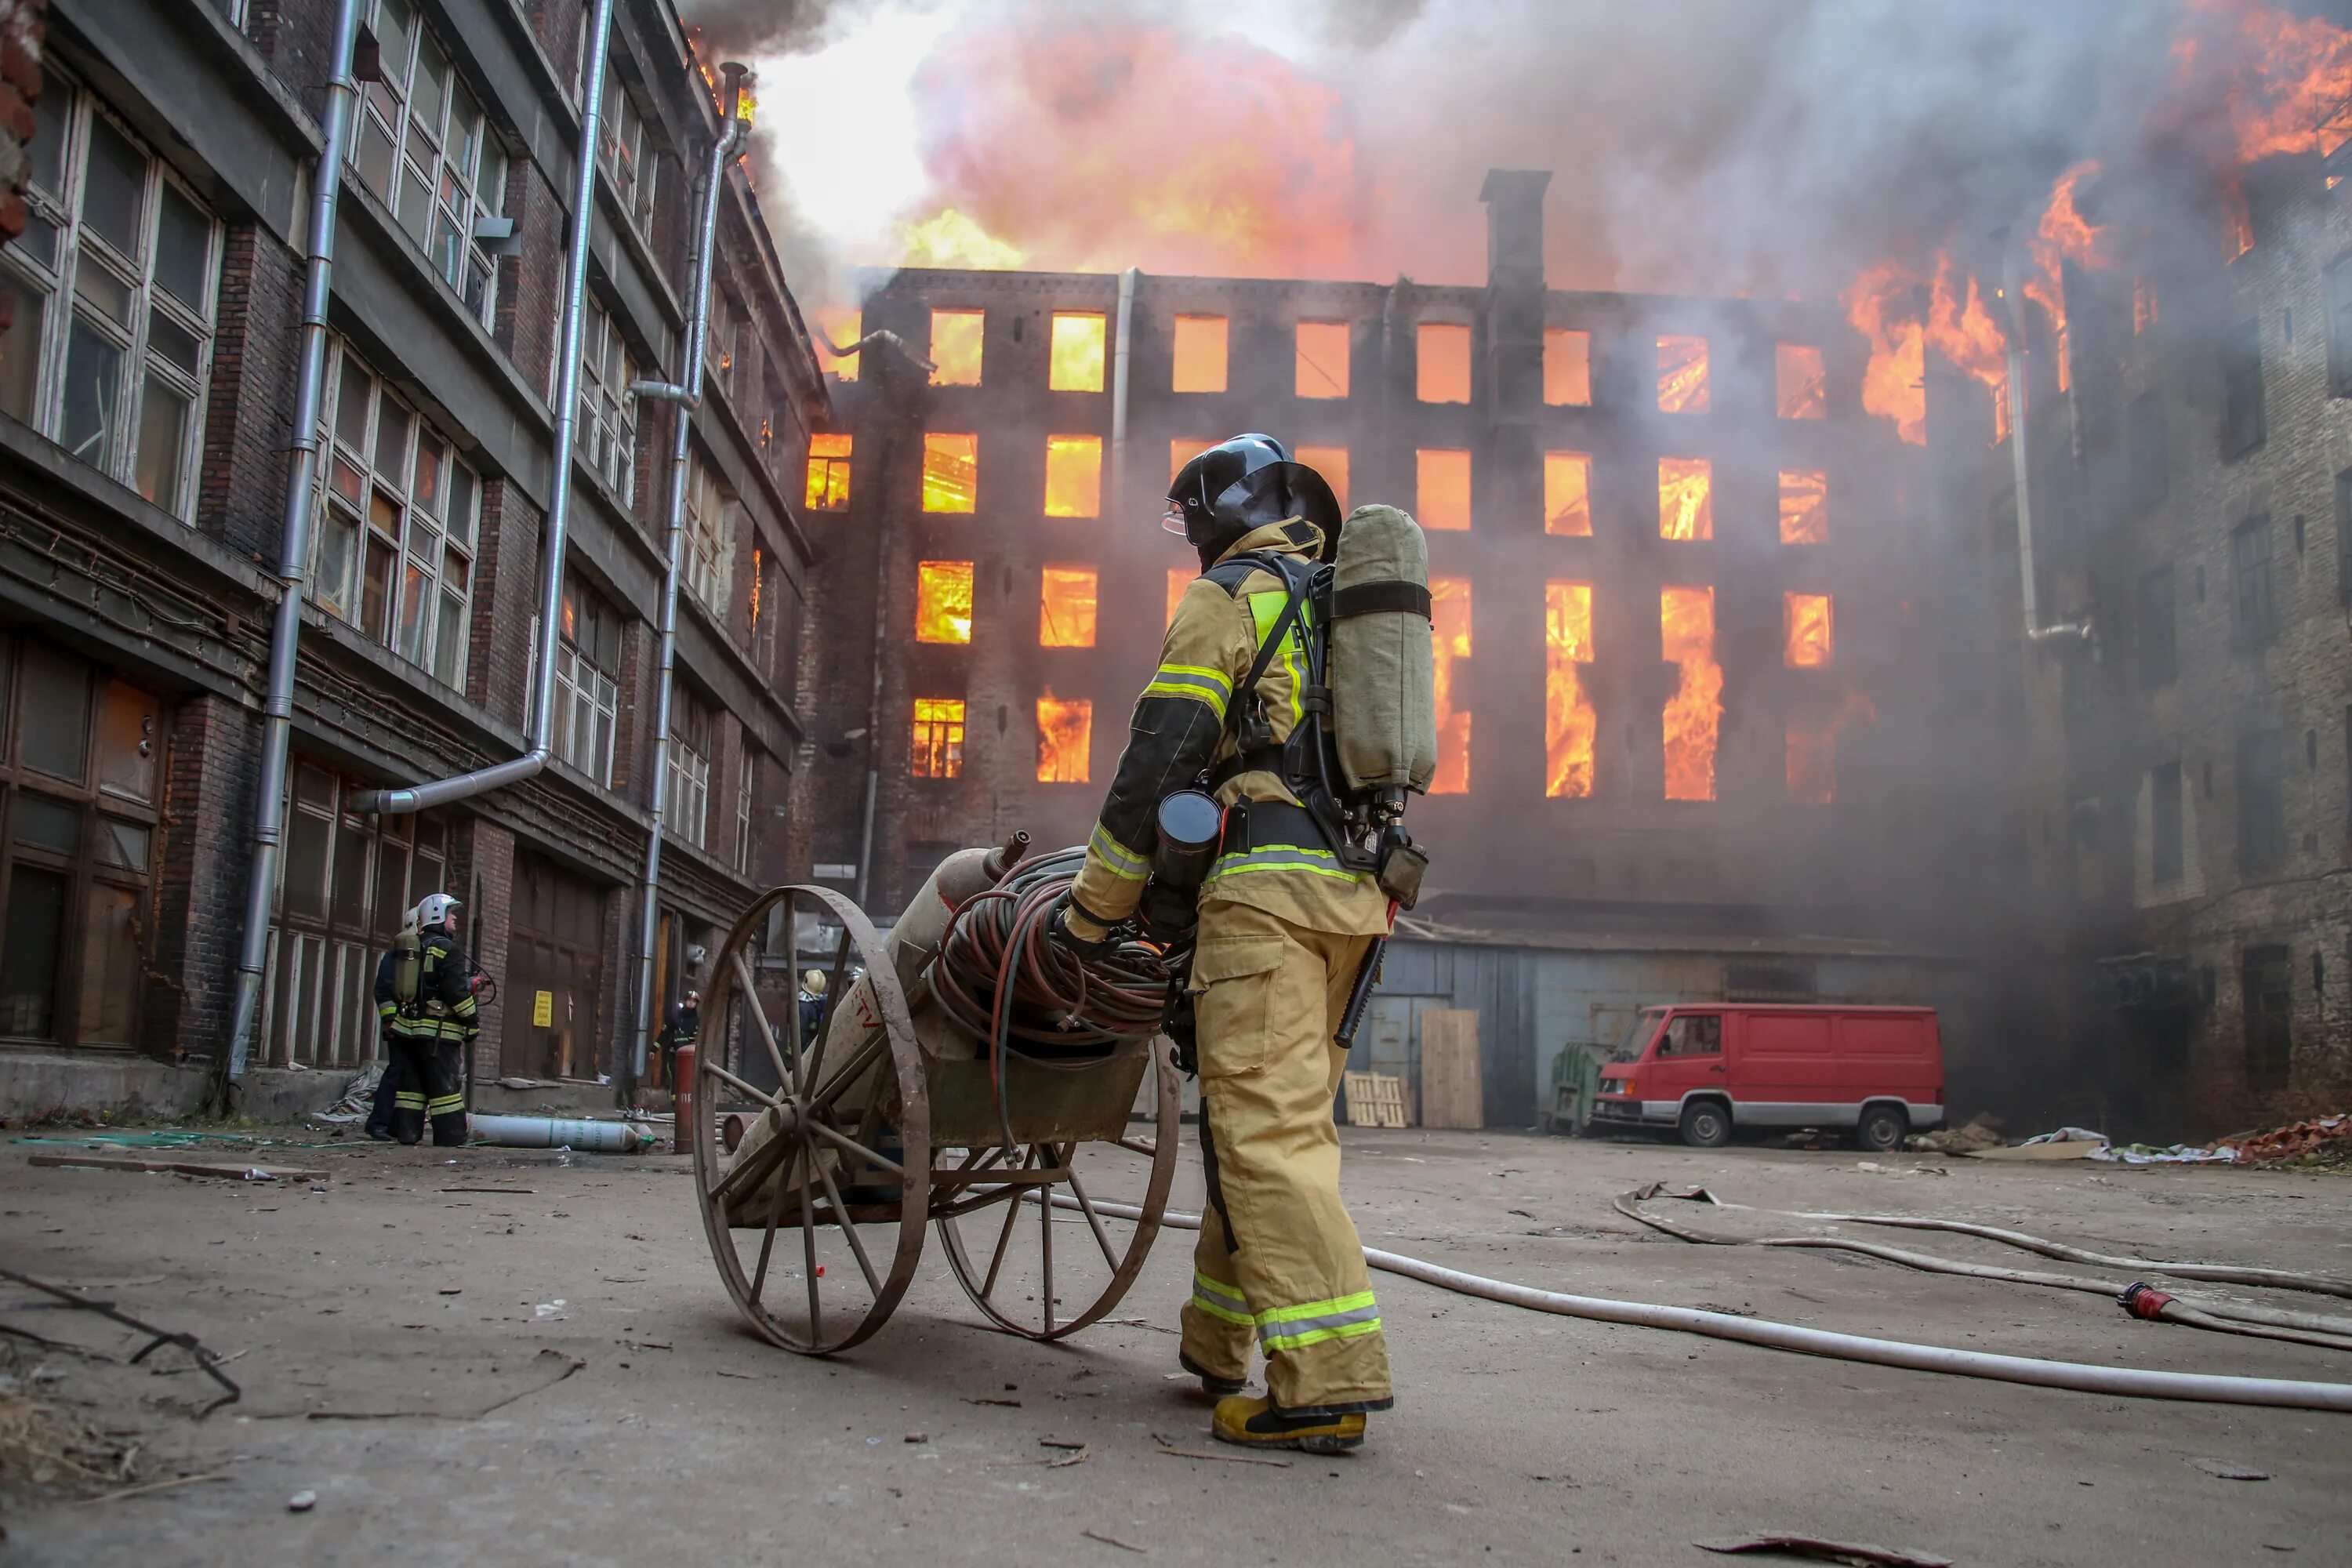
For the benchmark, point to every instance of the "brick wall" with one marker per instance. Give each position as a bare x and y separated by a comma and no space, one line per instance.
203,864
481,869
22,23
249,418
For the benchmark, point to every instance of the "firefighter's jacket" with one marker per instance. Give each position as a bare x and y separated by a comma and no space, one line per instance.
444,1008
1182,727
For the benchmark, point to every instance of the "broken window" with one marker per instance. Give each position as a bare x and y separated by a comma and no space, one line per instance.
1449,600
2165,838
1567,368
1200,355
2242,390
1331,462
943,602
841,329
2249,566
1571,724
1685,498
1077,352
828,471
938,738
1567,494
1682,376
1066,616
1804,506
1064,737
1073,475
1806,621
1443,489
2158,658
2262,803
955,347
1443,363
1178,579
2149,462
1322,370
1686,627
2267,976
1801,384
950,471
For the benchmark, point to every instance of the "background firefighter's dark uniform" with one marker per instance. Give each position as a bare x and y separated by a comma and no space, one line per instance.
1283,929
426,1037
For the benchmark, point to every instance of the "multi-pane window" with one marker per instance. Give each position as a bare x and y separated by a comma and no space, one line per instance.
747,775
828,470
710,508
113,285
395,554
625,151
2159,662
2267,976
721,342
423,148
688,809
2261,802
2242,390
938,738
2257,614
608,415
587,681
81,759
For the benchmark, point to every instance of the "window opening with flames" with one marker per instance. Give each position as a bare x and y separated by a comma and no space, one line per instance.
1077,352
1322,367
1685,498
1694,712
1682,376
1806,619
1441,368
828,471
938,738
1804,506
1568,368
951,473
1450,616
1571,725
1074,475
1442,490
1064,737
1065,615
1801,385
1812,751
956,346
1567,494
943,602
1200,355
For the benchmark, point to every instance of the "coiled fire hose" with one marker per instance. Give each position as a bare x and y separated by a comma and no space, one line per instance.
1002,979
2081,1377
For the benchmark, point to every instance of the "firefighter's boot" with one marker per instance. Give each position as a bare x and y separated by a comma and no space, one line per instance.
1257,1422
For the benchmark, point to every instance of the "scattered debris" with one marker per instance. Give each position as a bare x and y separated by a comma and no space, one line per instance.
2221,1470
1982,1133
1012,1404
302,1501
2326,1139
502,1192
158,1166
549,1312
206,1363
919,1436
163,1486
1225,1459
1058,1442
1111,1540
1820,1550
1066,1460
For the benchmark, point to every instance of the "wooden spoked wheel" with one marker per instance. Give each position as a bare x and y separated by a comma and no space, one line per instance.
1031,1249
807,1161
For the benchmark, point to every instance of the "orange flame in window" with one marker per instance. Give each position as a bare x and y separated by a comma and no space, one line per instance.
1693,713
943,601
1064,737
1807,618
1812,751
1450,628
1804,506
1074,475
1685,498
1682,376
1571,724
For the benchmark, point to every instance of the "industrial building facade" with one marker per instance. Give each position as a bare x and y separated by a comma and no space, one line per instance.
147,382
1694,668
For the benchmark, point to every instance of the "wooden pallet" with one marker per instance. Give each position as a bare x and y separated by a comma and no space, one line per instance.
1375,1099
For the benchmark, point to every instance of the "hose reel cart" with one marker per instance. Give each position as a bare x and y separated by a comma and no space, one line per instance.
974,1076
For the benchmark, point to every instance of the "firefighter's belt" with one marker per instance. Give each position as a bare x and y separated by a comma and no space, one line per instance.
1268,824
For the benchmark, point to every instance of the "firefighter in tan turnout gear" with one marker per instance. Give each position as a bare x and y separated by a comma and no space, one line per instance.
427,1012
1284,929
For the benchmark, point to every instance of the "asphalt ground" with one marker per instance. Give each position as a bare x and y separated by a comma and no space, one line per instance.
378,1321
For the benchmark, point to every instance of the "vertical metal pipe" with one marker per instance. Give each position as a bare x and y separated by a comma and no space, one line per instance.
2012,290
688,392
1127,282
541,726
294,555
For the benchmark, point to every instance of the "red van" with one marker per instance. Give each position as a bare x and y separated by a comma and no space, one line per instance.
1706,1068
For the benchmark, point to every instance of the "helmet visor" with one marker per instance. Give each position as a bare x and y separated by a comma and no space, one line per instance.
1172,519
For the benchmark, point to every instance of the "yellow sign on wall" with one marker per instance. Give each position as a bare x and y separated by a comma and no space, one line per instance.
542,1009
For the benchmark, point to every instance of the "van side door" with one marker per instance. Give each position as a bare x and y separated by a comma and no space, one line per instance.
1688,1055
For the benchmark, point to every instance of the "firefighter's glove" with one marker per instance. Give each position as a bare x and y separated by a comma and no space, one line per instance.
1087,939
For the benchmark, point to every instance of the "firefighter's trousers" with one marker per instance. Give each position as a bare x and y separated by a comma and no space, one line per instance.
1278,1261
430,1086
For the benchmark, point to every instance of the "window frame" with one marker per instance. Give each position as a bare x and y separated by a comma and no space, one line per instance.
2336,284
55,285
584,687
685,809
937,739
2261,785
828,474
2253,607
2167,861
626,153
747,773
2159,650
2267,1016
2243,421
608,412
709,565
2149,460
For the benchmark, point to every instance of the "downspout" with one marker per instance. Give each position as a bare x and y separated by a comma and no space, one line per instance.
2013,290
1127,282
687,392
542,730
294,556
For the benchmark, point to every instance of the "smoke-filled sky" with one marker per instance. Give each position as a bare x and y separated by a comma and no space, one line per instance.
1715,146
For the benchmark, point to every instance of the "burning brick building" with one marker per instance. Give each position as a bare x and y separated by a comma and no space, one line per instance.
147,406
1695,658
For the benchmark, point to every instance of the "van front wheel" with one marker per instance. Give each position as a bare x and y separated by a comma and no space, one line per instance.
1705,1124
1881,1128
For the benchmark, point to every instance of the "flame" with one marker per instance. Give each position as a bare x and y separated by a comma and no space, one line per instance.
1570,721
1800,381
1567,367
1077,352
1682,376
844,327
1441,488
1200,355
957,340
1442,362
938,738
1894,384
2064,234
1450,630
1066,610
1065,737
1812,751
951,239
2237,219
1685,498
2286,80
1074,475
828,470
1962,330
2144,305
1686,627
950,471
943,601
1806,620
1322,359
1567,494
747,104
1804,506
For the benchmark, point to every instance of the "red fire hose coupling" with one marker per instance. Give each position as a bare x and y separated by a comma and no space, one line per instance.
2142,1300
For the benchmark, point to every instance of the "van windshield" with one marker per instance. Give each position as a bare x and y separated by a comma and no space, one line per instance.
1638,1035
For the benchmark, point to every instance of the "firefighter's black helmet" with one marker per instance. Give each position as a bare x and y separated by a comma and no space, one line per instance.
1244,483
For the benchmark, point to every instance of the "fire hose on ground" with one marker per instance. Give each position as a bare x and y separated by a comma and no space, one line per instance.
2081,1377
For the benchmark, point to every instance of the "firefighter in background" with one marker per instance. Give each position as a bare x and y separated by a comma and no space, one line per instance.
812,1005
1282,930
425,1000
684,1024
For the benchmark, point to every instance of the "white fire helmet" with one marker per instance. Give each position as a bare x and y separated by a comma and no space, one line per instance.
434,911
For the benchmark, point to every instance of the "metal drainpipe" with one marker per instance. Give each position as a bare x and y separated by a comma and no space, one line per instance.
294,554
687,392
2013,290
542,730
1127,282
